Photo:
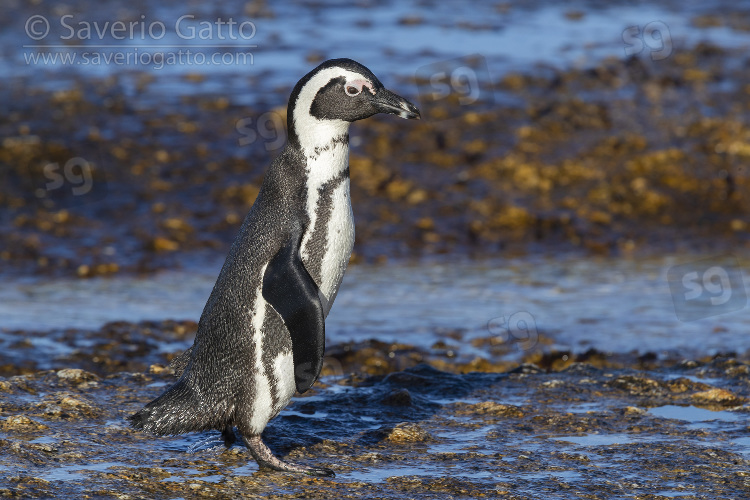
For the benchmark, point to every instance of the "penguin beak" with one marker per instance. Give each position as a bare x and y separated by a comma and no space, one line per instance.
386,101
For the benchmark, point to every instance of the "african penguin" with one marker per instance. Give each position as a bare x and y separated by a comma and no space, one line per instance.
261,335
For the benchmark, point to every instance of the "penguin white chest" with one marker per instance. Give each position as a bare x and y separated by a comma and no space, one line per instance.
340,240
329,238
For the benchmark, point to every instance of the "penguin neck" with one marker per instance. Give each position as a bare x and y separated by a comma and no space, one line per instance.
325,146
313,135
326,161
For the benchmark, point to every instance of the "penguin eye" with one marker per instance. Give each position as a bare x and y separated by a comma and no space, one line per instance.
351,91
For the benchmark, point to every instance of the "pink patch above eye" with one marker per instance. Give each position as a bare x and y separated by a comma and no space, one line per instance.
358,84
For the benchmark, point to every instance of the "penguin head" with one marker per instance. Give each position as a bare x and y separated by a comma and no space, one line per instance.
341,91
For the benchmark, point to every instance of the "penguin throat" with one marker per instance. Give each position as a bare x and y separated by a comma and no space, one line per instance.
325,135
326,160
342,140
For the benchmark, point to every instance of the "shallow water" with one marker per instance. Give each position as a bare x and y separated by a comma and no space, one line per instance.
613,305
695,415
520,432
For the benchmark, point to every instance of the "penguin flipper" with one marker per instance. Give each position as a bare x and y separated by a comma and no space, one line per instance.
290,289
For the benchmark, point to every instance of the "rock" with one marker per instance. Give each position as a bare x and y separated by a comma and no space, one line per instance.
552,384
637,386
633,411
408,433
21,423
71,402
65,406
738,371
158,369
75,375
369,457
527,369
162,244
489,408
717,396
400,397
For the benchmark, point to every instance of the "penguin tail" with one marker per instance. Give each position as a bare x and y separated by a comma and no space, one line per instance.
138,420
179,410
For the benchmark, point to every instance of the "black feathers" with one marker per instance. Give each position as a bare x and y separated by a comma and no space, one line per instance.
288,287
180,410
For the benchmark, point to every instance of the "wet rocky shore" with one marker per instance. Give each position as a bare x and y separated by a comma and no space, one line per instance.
393,421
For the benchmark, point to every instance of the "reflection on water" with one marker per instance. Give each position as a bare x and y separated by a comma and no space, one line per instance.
612,305
694,414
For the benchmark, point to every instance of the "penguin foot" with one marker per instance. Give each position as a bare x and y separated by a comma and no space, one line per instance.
228,436
265,458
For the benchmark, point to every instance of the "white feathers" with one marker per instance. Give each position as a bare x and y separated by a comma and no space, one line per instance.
340,240
283,369
262,404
